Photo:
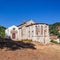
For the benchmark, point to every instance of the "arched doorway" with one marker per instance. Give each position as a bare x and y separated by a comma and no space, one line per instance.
13,35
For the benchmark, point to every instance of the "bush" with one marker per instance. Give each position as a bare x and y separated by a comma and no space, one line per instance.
53,41
2,31
26,40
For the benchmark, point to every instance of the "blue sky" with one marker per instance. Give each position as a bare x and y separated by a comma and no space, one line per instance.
14,12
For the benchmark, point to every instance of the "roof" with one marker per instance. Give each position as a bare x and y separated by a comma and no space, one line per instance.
36,24
19,25
33,24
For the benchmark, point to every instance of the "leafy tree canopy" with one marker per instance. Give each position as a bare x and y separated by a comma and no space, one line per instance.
2,31
54,28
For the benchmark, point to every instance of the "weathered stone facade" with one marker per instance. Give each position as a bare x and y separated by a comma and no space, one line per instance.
29,30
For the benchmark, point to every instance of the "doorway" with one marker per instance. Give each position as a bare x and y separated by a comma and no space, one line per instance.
13,35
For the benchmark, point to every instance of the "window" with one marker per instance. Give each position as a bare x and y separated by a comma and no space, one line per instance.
32,33
21,32
37,29
13,28
41,30
29,33
45,30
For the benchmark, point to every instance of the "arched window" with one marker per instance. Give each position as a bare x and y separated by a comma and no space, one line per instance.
45,30
37,29
41,30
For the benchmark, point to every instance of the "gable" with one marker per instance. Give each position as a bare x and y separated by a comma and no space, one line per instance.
11,28
30,22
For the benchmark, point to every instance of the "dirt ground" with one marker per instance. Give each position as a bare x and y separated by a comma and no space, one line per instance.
42,52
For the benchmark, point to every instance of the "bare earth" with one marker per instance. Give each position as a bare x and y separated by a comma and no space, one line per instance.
46,52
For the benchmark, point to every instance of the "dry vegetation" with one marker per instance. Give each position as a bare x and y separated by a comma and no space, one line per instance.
42,52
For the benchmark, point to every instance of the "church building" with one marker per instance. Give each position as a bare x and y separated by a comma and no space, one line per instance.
29,30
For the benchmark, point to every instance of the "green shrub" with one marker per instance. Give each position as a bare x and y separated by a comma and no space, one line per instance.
26,40
2,31
53,41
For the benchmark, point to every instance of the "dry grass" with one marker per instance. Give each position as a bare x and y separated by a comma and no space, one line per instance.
42,52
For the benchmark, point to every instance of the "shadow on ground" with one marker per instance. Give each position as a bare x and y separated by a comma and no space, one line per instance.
14,45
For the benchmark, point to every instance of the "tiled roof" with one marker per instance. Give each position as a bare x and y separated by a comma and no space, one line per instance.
33,24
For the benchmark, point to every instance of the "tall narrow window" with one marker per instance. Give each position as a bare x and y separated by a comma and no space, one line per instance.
21,33
41,30
29,33
45,31
37,30
32,33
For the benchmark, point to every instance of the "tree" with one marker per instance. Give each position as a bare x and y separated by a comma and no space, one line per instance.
2,31
54,28
59,37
